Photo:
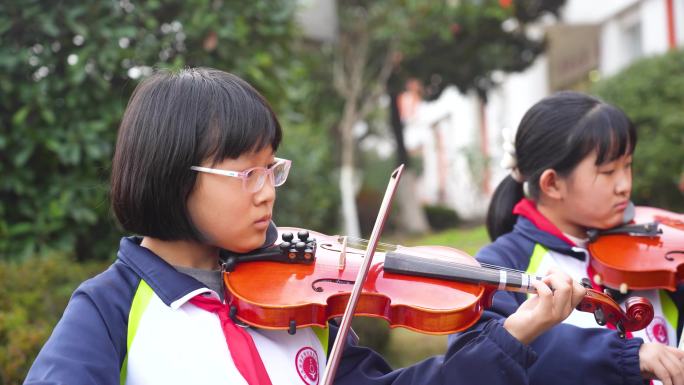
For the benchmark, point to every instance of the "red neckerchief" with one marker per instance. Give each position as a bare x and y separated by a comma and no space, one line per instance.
241,345
528,209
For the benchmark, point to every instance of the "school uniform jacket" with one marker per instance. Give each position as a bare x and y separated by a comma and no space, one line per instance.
133,324
578,351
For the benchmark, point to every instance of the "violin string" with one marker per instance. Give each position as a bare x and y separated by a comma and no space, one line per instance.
502,268
363,243
463,266
391,247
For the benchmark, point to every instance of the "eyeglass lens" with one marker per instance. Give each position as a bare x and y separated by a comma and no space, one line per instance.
257,177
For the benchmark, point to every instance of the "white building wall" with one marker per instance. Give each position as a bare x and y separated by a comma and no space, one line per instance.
451,120
679,22
620,44
461,150
612,49
653,19
588,11
506,107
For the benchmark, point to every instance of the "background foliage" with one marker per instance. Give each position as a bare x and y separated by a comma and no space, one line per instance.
30,308
651,92
67,69
477,39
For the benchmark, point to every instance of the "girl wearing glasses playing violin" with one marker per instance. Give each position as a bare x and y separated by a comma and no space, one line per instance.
194,173
570,171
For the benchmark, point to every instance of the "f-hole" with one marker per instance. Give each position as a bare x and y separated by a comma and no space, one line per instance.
671,258
319,289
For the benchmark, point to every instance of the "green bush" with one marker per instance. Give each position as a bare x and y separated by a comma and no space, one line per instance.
373,333
651,92
33,296
67,69
441,217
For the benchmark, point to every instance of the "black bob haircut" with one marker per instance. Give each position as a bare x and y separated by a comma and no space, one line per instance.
558,133
175,120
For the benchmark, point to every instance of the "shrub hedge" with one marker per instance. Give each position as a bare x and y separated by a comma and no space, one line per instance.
651,92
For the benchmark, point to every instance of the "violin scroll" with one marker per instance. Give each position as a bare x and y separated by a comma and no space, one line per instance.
637,315
639,311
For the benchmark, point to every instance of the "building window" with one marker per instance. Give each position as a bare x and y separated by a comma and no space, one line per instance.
633,46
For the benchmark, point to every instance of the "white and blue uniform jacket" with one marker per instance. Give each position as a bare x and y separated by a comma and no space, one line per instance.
133,324
578,351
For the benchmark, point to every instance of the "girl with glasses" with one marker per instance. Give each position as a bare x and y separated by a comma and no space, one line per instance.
570,171
194,173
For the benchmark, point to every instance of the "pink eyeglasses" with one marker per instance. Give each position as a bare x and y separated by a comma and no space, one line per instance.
254,178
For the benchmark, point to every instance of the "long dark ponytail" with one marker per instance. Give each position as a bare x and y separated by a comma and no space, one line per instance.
557,133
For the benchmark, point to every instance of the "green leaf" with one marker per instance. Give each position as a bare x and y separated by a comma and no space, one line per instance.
22,155
19,229
48,116
19,117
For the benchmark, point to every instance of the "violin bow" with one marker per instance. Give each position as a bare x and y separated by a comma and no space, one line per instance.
345,324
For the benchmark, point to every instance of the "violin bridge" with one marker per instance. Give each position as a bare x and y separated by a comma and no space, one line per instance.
343,254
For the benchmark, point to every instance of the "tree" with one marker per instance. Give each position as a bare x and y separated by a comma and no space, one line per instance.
372,36
463,43
359,81
67,69
475,40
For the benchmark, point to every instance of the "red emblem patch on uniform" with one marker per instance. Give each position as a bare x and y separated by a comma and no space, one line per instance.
657,331
307,365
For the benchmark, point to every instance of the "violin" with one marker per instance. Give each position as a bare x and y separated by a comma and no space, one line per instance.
429,289
647,253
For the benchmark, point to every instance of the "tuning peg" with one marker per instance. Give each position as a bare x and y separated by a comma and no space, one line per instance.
303,235
624,288
620,329
287,237
599,316
597,279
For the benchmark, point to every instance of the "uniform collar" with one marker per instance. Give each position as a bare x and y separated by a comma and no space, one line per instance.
172,287
534,225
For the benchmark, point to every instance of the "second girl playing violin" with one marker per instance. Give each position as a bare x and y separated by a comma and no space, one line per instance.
570,169
195,172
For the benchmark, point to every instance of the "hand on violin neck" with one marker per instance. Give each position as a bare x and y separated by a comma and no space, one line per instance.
548,308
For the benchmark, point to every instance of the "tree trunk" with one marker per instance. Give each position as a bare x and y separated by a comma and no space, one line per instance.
347,179
412,218
360,97
484,144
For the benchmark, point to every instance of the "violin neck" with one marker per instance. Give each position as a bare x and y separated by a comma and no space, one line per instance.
502,279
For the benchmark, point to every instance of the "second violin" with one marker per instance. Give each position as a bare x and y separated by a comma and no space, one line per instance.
646,254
